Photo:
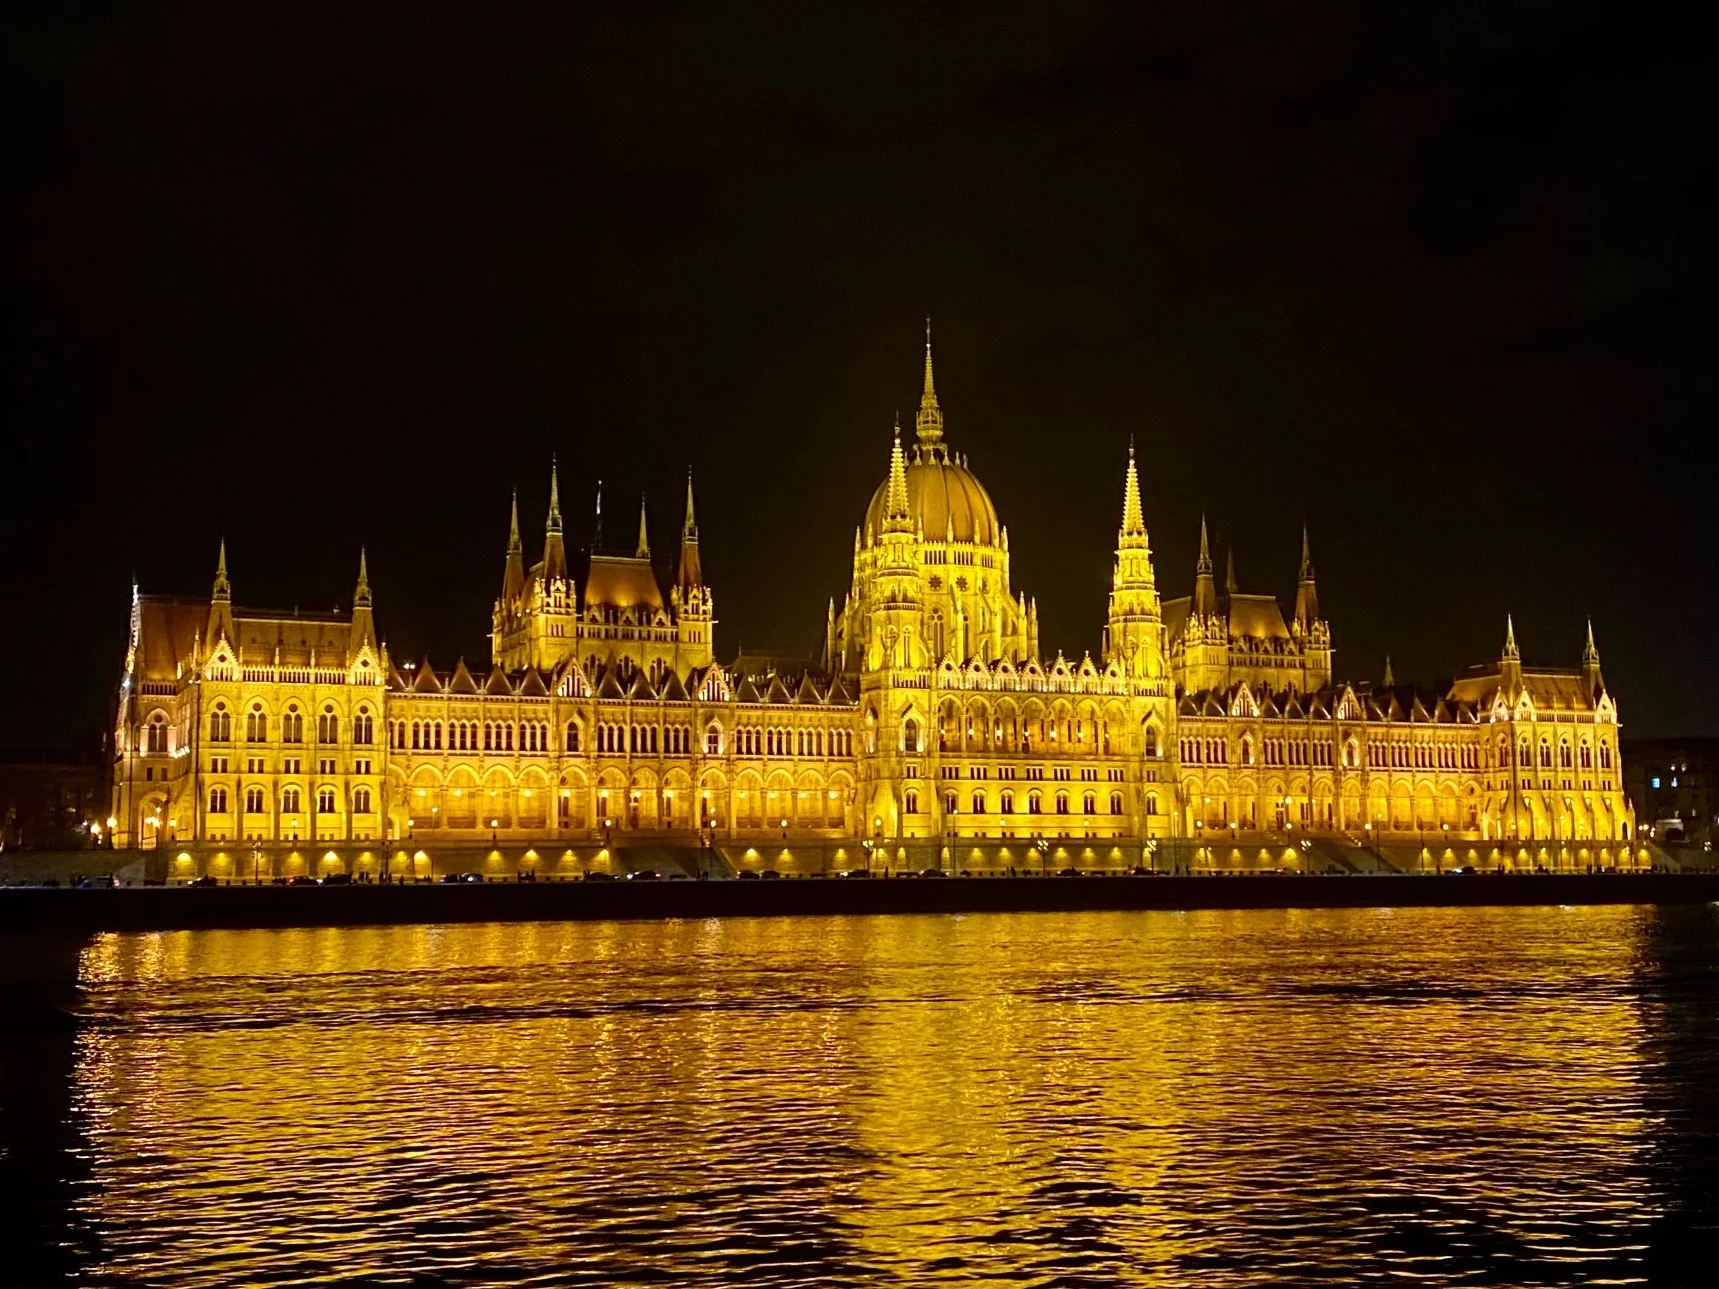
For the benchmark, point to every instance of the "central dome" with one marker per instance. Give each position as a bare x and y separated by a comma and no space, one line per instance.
946,502
943,497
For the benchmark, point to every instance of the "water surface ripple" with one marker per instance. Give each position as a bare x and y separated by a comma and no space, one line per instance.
1432,1096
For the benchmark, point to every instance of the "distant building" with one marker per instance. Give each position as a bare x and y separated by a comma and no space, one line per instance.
51,801
1671,785
932,718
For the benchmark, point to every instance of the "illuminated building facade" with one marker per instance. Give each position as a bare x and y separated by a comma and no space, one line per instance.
932,728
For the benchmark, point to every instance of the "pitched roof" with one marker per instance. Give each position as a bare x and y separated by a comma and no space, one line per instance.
461,682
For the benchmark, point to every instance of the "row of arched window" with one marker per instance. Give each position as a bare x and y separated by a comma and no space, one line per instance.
291,725
256,801
979,802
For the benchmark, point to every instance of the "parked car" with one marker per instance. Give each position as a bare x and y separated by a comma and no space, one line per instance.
472,879
1140,870
770,875
1467,870
205,880
1068,872
932,872
599,877
746,875
644,875
301,879
855,872
337,879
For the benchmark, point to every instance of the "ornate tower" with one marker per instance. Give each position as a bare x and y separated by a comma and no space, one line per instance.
1134,637
690,597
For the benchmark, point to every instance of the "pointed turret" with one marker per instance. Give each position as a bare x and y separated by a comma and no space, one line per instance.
363,622
1390,676
1510,663
691,571
554,545
513,575
1231,586
1591,663
597,526
1306,591
1133,635
220,603
1133,532
644,548
929,423
831,662
1205,589
897,513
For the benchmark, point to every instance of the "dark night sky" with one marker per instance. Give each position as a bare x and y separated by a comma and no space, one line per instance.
1440,283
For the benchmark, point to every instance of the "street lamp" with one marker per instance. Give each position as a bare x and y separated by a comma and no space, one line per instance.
1042,845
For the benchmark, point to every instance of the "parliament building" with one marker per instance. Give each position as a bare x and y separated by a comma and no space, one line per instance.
1207,733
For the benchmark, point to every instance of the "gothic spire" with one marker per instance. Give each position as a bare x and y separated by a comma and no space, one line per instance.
644,550
363,624
513,571
220,621
1133,517
597,530
223,591
361,596
1307,592
554,545
689,530
1205,590
691,572
929,423
897,514
1511,652
1590,653
1390,676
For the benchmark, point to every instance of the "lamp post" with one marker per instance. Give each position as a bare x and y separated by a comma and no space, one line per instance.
1042,845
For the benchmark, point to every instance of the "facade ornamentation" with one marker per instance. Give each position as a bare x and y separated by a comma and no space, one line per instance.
932,720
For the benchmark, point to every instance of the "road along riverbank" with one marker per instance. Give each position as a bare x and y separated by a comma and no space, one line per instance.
46,910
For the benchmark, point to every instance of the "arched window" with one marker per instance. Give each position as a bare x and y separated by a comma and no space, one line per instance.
220,725
361,801
979,802
292,726
1605,756
1062,803
256,725
1587,756
217,801
1151,803
1089,804
363,731
289,801
1247,750
1149,741
436,735
1546,752
910,802
572,737
1115,803
713,739
910,735
1351,754
325,801
949,803
155,734
1033,803
253,801
328,726
1007,802
1564,753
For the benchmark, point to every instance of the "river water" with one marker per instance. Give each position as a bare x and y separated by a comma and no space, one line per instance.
1431,1096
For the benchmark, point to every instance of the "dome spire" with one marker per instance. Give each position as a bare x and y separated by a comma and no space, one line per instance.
929,423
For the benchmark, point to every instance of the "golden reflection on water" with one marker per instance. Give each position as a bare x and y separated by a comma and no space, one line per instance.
1216,1098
